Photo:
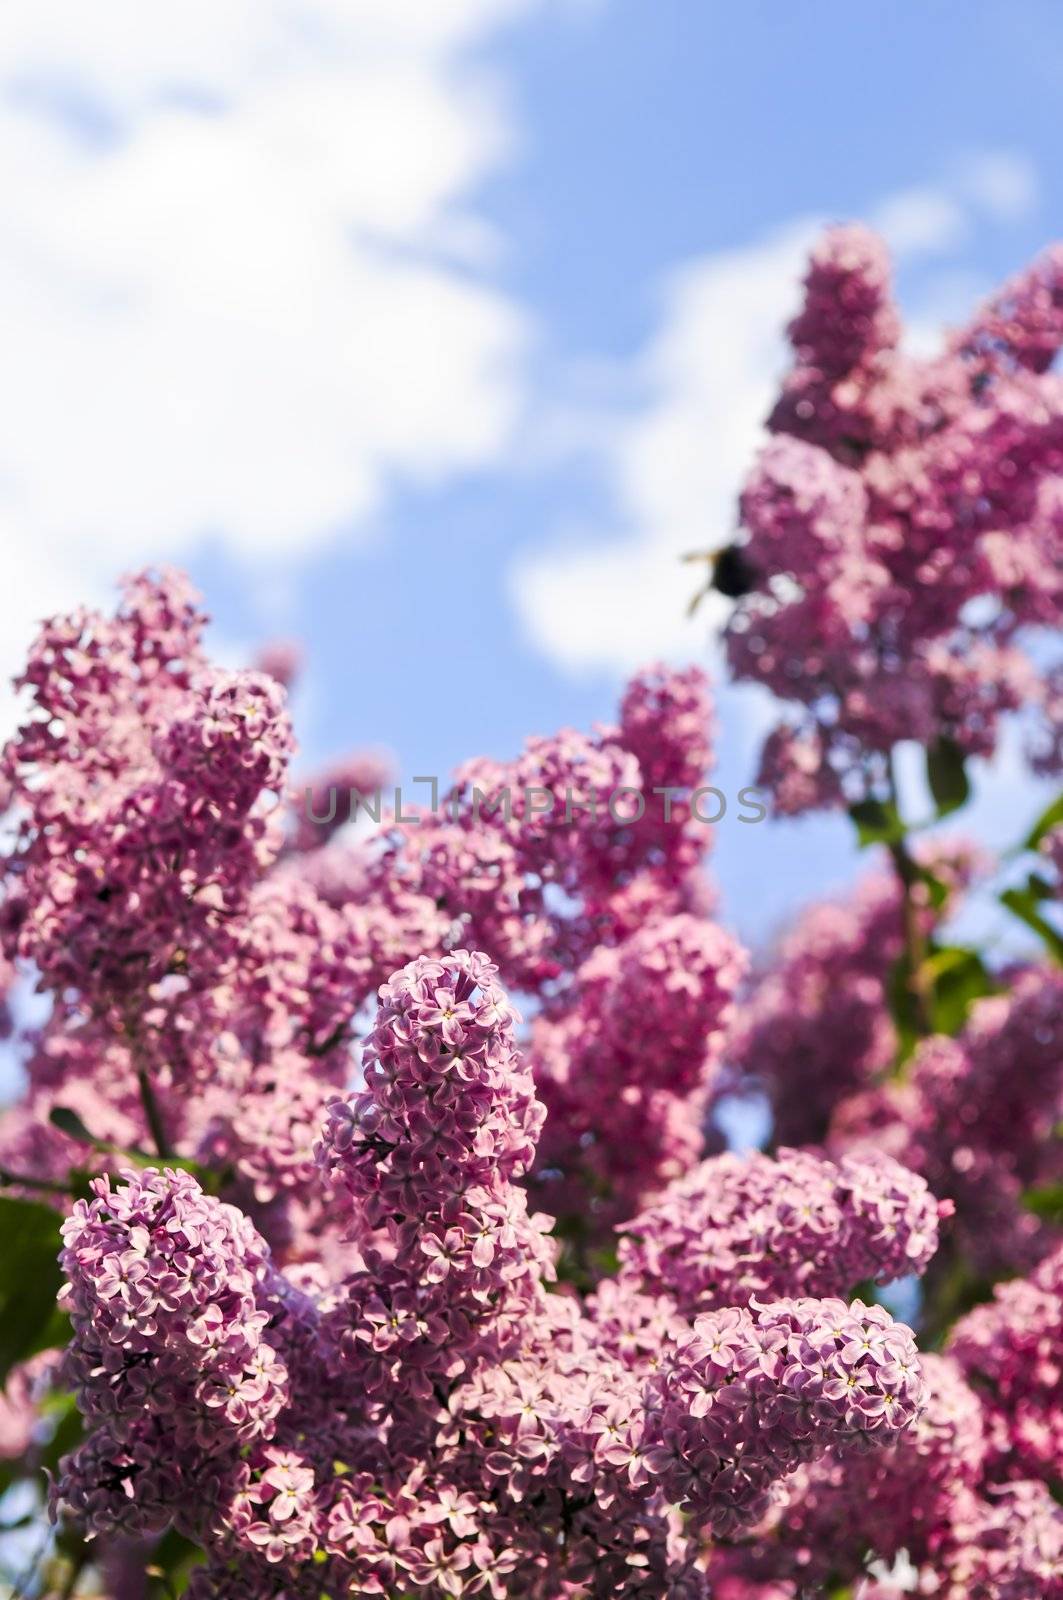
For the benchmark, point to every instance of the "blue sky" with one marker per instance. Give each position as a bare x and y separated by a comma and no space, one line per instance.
661,131
432,332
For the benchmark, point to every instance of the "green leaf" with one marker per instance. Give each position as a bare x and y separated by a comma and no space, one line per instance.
1049,819
947,776
1046,1202
605,1261
68,1431
937,892
70,1123
903,1008
30,1278
1023,903
55,1332
956,978
172,1563
877,822
952,979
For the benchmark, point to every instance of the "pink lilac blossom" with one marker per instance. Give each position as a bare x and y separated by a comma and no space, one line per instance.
1008,1547
448,883
907,1497
429,1154
749,1396
1046,741
976,1116
336,1355
476,1420
278,972
816,1028
242,1060
794,770
925,1500
540,860
995,1109
1011,1351
837,1514
337,795
736,1403
903,527
180,970
739,1229
164,1291
155,1269
1021,322
138,848
20,1418
627,1067
282,660
528,860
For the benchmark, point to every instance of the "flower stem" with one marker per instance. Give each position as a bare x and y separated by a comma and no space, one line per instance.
915,942
152,1112
12,1180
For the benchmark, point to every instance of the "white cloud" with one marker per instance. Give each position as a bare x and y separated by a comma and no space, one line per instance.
241,281
707,377
674,462
922,219
1004,184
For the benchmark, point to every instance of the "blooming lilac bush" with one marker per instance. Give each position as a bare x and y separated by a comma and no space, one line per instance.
367,1284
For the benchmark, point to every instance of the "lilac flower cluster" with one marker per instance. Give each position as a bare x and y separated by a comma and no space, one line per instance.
429,1154
20,1419
973,1114
134,785
816,1027
896,494
1008,1547
548,893
625,1069
1010,1351
332,797
236,1007
749,1396
169,1355
540,887
976,1116
741,1229
906,1498
925,1499
432,1417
